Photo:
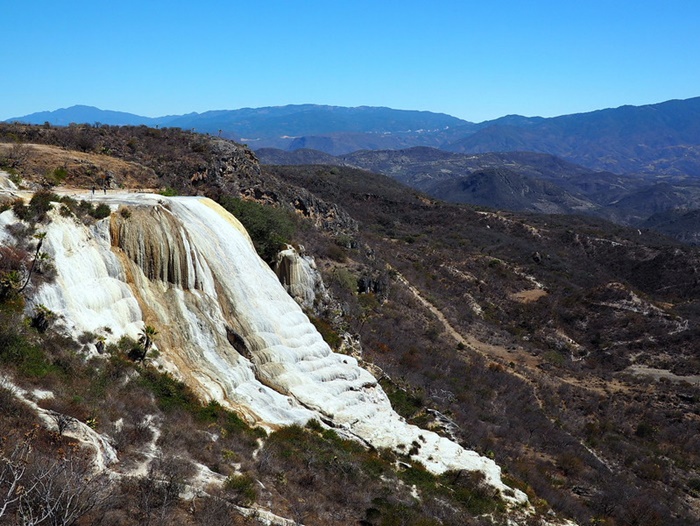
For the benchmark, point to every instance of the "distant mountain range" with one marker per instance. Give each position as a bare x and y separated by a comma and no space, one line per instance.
659,138
335,129
635,165
88,115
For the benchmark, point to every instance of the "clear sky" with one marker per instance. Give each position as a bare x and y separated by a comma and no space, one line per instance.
475,60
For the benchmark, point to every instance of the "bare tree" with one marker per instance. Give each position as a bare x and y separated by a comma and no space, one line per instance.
63,490
38,489
13,466
17,155
158,492
63,422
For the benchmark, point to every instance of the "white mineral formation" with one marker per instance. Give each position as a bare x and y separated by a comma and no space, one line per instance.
226,325
299,276
5,183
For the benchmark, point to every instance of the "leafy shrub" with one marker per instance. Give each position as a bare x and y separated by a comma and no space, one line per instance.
469,489
101,211
20,209
40,204
554,358
336,253
16,350
270,228
170,393
168,192
331,337
346,279
65,211
314,425
243,488
404,403
84,208
57,176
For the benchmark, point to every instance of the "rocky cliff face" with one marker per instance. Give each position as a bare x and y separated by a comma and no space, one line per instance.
234,170
227,327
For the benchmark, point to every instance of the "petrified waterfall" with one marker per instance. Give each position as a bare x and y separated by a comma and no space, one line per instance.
227,326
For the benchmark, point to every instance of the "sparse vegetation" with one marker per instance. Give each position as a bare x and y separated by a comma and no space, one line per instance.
561,350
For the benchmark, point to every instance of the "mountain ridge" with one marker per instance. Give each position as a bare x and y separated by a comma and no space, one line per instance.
662,137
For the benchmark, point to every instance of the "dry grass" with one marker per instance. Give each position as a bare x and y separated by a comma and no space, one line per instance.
83,169
528,296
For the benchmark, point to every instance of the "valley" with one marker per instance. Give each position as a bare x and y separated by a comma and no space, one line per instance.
528,182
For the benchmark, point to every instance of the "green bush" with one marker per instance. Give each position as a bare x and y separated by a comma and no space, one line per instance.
173,395
168,192
469,489
101,211
58,175
170,393
65,211
69,202
331,337
243,488
40,203
16,350
345,279
20,209
404,403
270,228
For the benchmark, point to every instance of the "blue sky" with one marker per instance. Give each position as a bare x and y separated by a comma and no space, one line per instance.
474,60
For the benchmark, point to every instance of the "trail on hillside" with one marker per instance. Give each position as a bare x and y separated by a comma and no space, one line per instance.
504,357
486,349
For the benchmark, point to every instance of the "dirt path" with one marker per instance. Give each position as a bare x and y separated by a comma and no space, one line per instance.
517,355
658,374
528,296
111,197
